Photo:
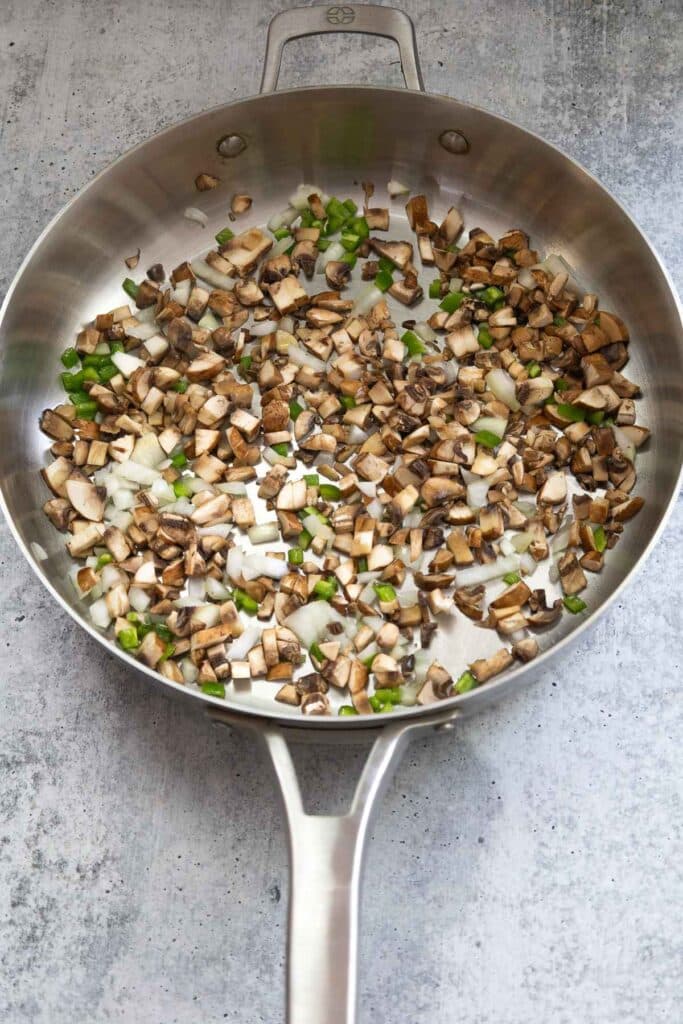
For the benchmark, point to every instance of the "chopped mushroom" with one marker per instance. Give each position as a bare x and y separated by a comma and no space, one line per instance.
409,468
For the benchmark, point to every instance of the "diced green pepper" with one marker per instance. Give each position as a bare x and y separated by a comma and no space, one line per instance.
350,207
245,364
571,412
350,241
162,630
383,280
281,233
245,602
348,401
574,604
180,386
596,417
559,321
533,369
561,385
107,372
304,540
295,409
330,492
467,681
224,236
359,226
312,479
325,589
413,343
351,258
362,564
181,489
130,287
599,538
452,301
212,689
179,461
385,592
128,638
389,695
69,357
72,381
316,654
435,288
91,374
484,337
104,559
487,438
86,410
511,577
281,448
491,295
346,710
295,556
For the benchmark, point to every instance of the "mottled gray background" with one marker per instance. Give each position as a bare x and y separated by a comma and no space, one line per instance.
523,870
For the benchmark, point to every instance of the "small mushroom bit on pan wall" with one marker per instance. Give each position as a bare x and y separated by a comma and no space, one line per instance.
260,477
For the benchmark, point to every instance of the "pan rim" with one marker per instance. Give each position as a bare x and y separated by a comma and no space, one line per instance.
497,688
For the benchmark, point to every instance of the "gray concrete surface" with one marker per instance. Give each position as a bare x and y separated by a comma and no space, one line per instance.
523,870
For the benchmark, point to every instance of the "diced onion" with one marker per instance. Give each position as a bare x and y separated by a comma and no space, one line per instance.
560,541
192,213
311,621
264,565
217,530
216,590
283,219
99,614
521,542
126,363
264,533
397,188
156,346
300,357
137,473
209,322
234,564
142,331
281,245
196,588
424,331
139,599
147,451
181,292
264,327
624,443
335,251
207,273
39,552
474,574
317,528
189,670
235,487
455,284
367,300
240,647
501,384
477,493
495,424
526,279
528,564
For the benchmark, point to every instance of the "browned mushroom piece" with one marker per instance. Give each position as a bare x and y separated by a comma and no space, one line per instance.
205,182
240,203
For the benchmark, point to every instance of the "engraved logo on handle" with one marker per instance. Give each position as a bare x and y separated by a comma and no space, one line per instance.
340,15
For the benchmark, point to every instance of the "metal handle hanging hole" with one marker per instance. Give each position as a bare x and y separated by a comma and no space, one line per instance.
231,145
454,142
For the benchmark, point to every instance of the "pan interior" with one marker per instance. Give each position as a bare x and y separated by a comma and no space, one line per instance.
334,138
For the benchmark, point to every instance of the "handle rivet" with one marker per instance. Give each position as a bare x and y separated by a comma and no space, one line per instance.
231,145
454,142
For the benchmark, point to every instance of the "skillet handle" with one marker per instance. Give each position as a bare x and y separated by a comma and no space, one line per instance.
370,19
326,855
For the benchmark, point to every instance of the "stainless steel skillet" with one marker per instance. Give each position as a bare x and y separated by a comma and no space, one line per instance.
334,136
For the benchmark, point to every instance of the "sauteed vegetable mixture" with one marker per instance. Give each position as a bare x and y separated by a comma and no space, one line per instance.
261,477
